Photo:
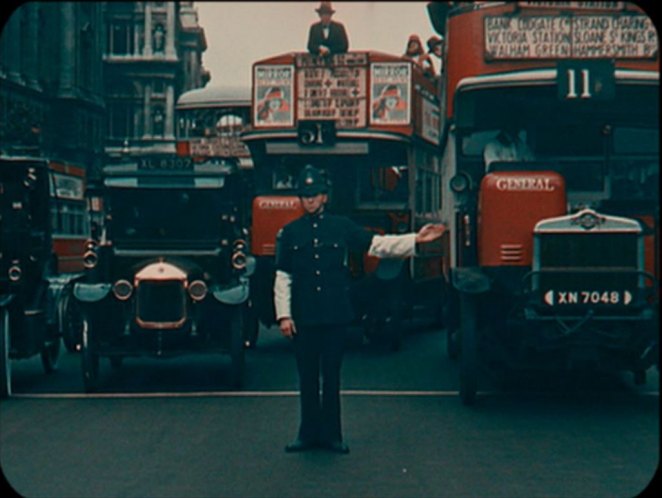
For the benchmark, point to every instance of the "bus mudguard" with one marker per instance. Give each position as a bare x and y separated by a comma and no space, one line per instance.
389,268
470,280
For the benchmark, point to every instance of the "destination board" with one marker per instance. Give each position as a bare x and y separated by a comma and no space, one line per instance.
563,37
333,93
581,5
218,147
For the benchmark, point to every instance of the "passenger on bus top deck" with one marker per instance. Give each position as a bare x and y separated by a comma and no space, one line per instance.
507,146
436,48
416,54
327,37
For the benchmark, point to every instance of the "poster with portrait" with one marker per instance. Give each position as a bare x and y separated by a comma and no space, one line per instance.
390,93
274,86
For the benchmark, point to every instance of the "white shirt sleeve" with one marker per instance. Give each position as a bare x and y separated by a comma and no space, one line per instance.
283,294
393,246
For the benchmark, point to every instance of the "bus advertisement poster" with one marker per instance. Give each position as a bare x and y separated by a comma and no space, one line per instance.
390,90
273,93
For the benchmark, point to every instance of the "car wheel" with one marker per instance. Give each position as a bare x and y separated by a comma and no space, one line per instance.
72,324
237,350
89,360
5,362
50,355
468,349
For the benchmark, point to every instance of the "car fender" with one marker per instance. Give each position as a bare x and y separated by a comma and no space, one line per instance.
232,294
91,293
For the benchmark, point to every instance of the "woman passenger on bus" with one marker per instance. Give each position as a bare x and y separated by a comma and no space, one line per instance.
417,55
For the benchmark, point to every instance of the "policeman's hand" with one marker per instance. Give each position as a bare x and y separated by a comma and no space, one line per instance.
324,50
430,232
287,327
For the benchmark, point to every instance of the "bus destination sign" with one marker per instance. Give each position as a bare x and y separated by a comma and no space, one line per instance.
333,93
564,37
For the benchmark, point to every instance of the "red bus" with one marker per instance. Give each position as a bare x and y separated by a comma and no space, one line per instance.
371,121
551,168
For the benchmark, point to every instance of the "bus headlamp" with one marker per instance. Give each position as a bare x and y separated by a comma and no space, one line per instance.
460,183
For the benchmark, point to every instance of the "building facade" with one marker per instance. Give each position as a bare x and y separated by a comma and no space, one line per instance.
86,83
51,86
153,54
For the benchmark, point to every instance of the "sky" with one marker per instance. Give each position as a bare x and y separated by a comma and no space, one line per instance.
240,33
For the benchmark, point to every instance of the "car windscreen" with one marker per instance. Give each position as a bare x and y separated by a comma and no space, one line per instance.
166,214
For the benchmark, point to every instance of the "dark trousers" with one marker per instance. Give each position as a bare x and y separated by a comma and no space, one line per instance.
320,348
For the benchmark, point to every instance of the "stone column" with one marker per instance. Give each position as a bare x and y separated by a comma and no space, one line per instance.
170,106
11,37
67,47
31,63
147,110
170,30
148,29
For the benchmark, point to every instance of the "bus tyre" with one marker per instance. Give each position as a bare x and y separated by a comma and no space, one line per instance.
237,350
395,318
450,322
5,362
116,362
89,360
468,349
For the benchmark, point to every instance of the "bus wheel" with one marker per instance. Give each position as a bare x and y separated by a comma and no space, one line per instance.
468,349
394,320
237,351
450,323
5,362
116,362
89,360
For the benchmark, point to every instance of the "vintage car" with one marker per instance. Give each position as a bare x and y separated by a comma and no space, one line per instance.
28,319
168,273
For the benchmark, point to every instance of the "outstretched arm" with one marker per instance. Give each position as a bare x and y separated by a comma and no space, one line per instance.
403,246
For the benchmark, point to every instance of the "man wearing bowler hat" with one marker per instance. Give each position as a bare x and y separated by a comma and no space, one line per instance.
327,37
312,301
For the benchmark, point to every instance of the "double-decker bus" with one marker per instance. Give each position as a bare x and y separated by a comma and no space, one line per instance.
370,120
554,252
210,121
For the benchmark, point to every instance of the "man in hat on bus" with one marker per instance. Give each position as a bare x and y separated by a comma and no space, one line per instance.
312,301
327,37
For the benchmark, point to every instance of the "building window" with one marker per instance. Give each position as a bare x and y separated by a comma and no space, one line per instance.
121,36
120,120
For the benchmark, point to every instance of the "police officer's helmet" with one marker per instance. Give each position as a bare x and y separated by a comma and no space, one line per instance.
312,182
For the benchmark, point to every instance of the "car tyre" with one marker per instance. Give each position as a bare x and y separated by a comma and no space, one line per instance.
468,349
5,361
89,360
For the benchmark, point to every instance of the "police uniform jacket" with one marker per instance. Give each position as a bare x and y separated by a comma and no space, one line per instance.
312,274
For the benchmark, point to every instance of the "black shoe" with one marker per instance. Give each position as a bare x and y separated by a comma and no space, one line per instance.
337,447
299,445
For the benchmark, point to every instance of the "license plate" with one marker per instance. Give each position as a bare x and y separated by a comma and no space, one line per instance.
587,297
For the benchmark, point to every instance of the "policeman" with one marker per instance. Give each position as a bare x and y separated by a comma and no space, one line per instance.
312,301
